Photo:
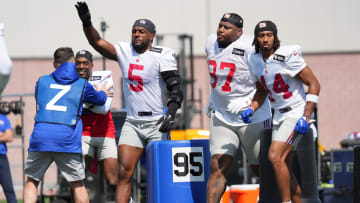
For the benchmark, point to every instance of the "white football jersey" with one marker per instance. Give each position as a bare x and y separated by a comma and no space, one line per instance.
99,78
143,86
278,76
230,79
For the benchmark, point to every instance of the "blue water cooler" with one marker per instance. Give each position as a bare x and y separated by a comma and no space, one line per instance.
177,171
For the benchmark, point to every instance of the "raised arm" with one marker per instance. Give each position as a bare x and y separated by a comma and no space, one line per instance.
5,62
99,44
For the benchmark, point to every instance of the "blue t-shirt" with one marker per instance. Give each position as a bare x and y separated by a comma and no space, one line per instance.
4,125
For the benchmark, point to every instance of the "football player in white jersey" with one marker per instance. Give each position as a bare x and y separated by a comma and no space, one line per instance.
98,135
232,89
281,72
146,71
5,62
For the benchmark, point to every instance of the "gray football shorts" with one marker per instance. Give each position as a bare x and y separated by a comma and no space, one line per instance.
140,133
284,132
225,139
105,147
70,165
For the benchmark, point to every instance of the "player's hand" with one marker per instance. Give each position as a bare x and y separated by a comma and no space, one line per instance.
84,13
108,90
88,106
209,109
301,126
239,104
167,123
245,115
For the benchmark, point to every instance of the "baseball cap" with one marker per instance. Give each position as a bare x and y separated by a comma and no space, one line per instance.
85,54
145,23
265,25
233,18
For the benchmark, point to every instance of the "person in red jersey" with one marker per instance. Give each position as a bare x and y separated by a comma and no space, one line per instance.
98,126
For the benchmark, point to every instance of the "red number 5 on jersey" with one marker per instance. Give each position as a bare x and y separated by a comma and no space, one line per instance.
279,86
226,87
137,78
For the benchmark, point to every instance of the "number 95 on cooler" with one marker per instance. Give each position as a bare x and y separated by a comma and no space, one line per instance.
188,164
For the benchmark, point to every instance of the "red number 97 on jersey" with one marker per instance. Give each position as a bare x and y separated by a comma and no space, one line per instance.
226,87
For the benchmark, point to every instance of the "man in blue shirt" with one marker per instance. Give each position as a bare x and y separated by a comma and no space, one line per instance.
58,127
6,135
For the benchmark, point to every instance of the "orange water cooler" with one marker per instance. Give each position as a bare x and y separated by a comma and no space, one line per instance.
248,193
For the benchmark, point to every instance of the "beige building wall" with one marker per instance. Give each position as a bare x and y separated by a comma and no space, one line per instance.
339,105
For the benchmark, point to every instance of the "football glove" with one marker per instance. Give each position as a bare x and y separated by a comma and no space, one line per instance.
84,13
301,126
167,123
245,115
168,120
238,104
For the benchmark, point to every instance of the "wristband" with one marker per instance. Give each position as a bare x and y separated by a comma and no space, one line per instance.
312,98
